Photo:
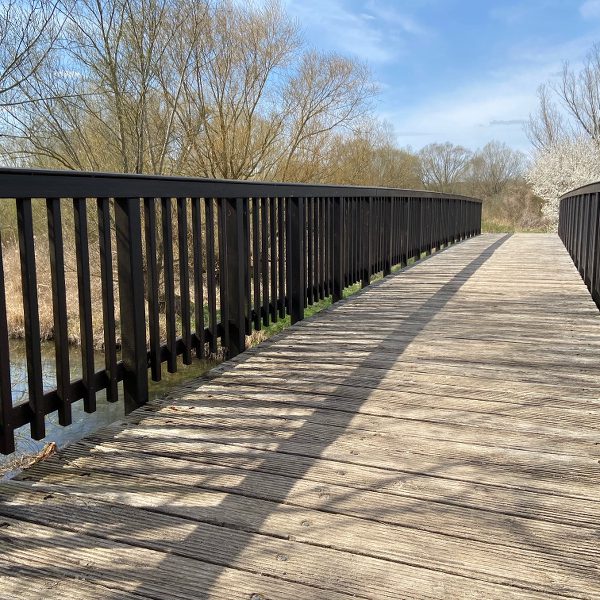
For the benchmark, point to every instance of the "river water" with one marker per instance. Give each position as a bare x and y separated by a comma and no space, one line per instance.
83,423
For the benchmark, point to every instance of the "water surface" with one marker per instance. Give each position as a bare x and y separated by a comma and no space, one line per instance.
83,423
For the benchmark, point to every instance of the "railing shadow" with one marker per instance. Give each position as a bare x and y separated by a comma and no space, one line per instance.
322,438
202,441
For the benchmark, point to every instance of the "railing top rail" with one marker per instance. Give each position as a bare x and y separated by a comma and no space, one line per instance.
589,188
43,183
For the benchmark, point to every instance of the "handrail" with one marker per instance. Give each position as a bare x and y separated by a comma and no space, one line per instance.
41,183
248,254
579,229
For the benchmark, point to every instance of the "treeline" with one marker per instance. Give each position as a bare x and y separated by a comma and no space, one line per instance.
216,88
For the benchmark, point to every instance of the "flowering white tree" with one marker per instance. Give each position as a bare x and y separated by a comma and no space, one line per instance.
565,131
561,167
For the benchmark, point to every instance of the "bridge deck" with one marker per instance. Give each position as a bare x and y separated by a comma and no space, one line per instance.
435,436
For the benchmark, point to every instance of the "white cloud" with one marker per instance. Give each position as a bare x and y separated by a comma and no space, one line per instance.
493,107
377,33
590,9
391,16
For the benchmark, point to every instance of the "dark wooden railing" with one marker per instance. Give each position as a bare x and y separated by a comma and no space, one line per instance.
259,251
579,229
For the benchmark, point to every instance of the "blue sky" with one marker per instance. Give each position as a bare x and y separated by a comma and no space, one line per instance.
457,70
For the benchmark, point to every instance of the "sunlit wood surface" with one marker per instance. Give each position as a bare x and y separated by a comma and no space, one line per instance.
435,436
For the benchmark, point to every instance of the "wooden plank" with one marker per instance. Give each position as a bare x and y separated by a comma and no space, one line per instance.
335,554
434,436
139,570
221,468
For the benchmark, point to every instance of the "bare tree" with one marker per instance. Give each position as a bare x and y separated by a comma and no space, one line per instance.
369,156
327,92
546,127
217,89
27,33
494,167
569,108
444,165
230,120
98,103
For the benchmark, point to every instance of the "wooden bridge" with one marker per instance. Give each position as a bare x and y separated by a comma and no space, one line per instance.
434,436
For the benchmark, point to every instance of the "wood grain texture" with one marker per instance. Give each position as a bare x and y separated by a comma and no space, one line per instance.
435,436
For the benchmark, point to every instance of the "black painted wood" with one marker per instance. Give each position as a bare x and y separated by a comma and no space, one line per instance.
85,303
131,300
59,307
579,230
31,318
108,298
198,277
7,437
169,283
153,284
184,279
270,250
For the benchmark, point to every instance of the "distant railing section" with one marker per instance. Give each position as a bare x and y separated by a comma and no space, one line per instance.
579,229
240,254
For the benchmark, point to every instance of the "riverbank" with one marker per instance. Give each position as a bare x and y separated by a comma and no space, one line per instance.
83,423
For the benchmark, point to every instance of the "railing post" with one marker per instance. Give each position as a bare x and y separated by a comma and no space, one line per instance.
234,266
131,299
338,263
297,287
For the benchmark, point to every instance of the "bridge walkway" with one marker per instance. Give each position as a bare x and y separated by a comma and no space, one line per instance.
435,436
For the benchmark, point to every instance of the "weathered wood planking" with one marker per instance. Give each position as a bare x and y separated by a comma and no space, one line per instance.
435,436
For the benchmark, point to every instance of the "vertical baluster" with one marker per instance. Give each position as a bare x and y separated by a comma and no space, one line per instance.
82,253
223,276
318,224
310,238
350,233
380,233
152,287
211,284
234,264
403,229
256,261
356,243
274,258
366,238
31,318
198,277
59,306
246,256
281,255
169,282
184,279
315,248
387,223
108,297
321,230
395,231
297,278
329,244
326,247
7,437
346,244
337,249
264,258
288,256
595,253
